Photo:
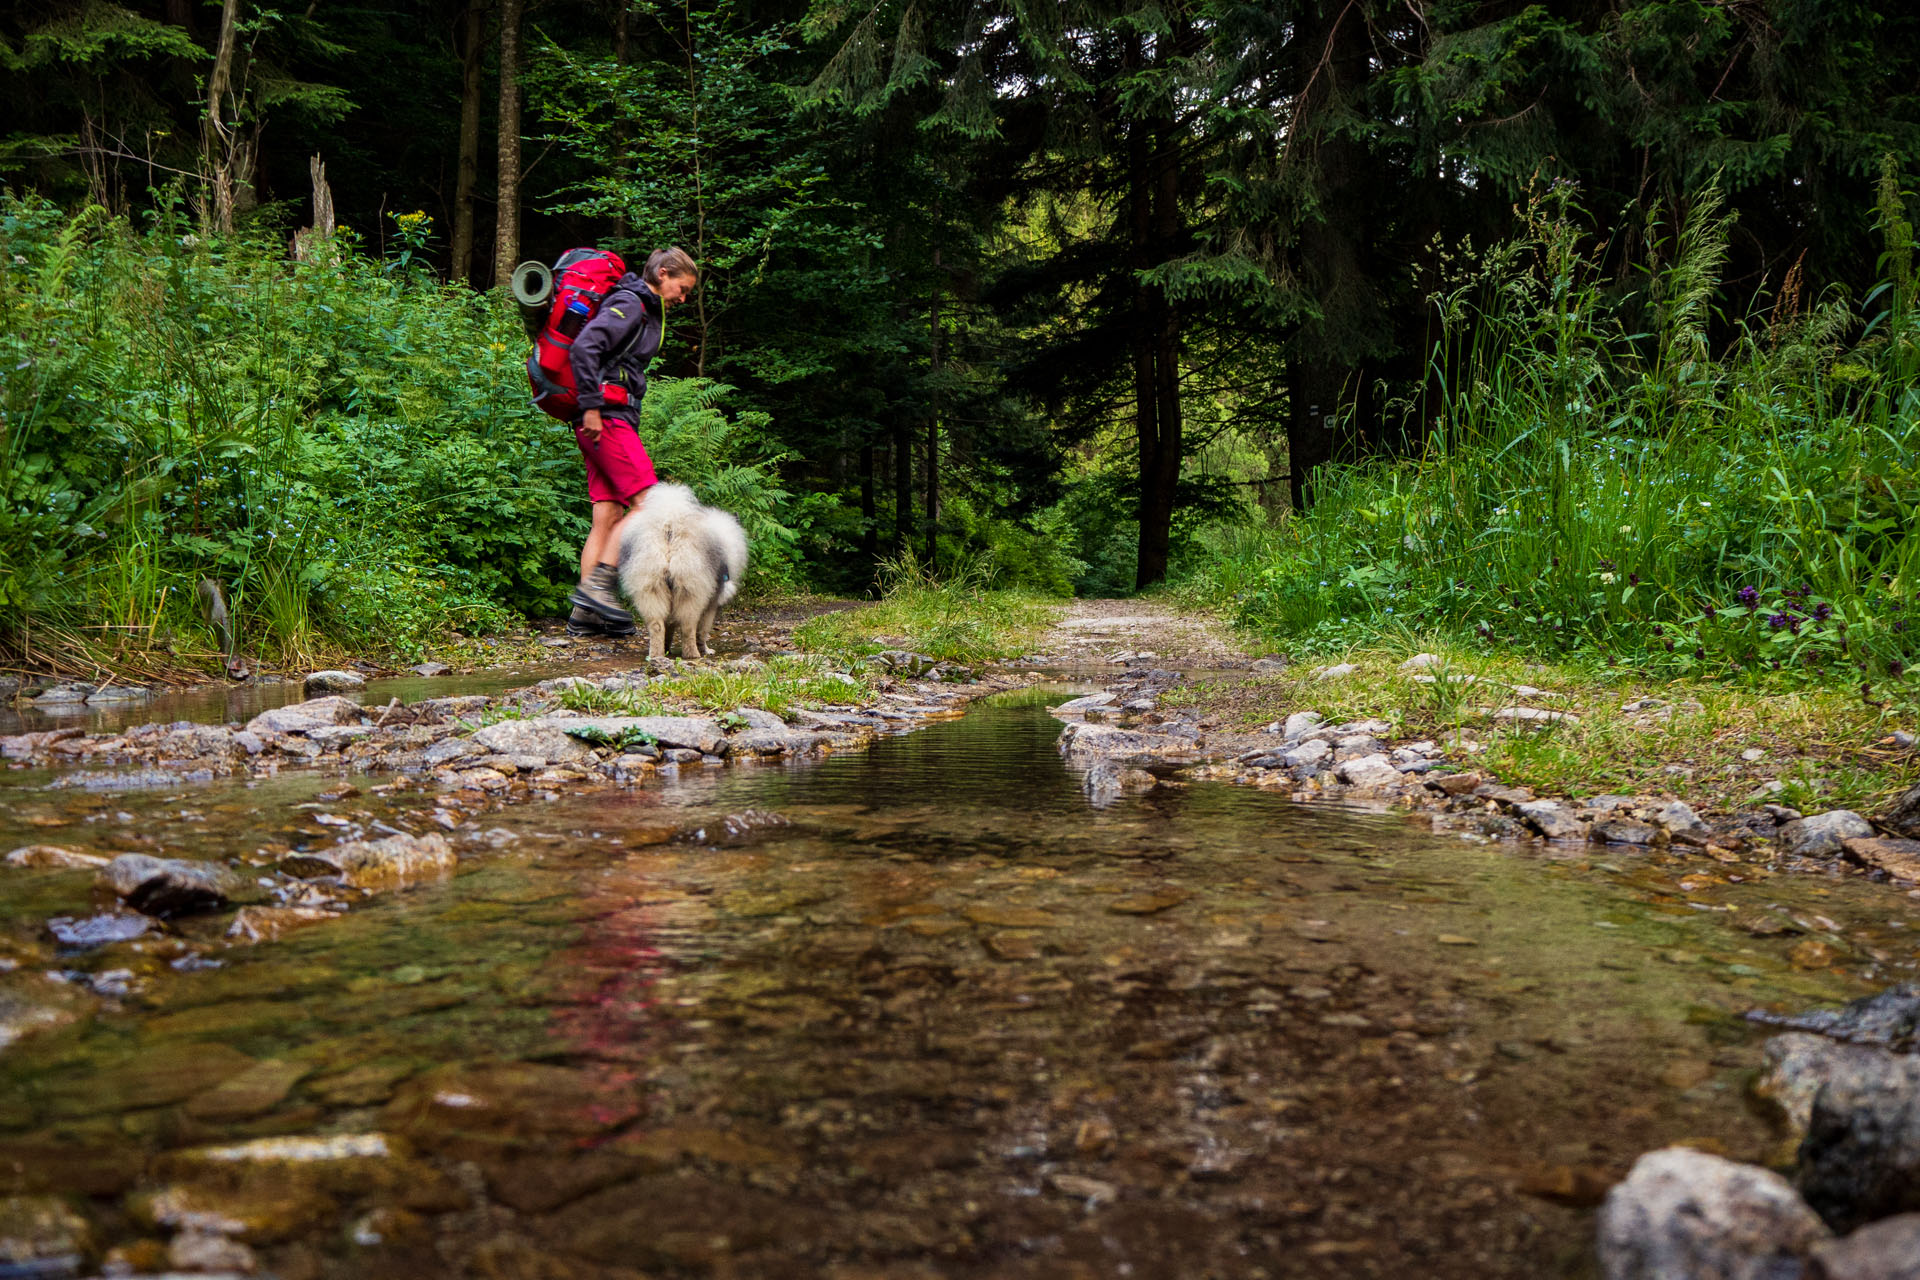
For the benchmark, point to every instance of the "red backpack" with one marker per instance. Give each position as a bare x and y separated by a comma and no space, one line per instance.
581,279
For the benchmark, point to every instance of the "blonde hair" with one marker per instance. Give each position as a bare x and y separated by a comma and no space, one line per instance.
669,262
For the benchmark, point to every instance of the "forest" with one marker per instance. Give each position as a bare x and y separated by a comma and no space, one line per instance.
1569,328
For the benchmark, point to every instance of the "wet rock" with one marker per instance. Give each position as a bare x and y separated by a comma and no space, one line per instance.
62,693
54,857
1091,702
257,1214
167,887
1509,799
31,1003
1626,831
299,717
1898,858
252,1091
478,1108
42,1236
1860,1159
393,862
1369,772
1884,1250
196,741
447,750
250,742
1308,755
1683,825
1454,784
440,710
118,780
97,930
430,669
1552,821
205,1253
780,742
1823,834
320,682
264,924
1686,1214
540,738
1084,743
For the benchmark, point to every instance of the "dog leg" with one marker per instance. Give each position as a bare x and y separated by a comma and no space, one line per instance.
656,638
706,630
687,623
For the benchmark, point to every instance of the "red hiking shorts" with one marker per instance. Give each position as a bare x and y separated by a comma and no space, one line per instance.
618,467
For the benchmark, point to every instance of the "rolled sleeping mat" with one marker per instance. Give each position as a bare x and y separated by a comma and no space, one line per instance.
532,285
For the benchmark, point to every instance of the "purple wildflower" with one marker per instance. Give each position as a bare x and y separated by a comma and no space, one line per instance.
1699,655
1821,612
1633,579
1777,621
1748,597
1710,612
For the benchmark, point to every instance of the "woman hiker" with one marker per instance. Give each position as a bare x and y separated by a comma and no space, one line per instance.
610,358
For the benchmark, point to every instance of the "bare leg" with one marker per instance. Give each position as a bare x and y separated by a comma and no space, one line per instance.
603,540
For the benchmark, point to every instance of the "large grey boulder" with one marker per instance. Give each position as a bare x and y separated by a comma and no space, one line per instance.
171,886
1799,1065
1686,1215
1300,724
1369,772
1091,702
1884,1250
694,733
542,738
333,682
1824,834
1551,821
1860,1159
299,717
1084,743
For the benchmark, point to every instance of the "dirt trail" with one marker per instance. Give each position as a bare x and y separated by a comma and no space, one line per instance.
1105,628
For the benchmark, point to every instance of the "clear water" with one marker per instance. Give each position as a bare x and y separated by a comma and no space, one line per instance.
947,1020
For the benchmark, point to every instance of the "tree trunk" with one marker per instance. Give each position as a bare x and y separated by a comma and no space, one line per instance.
506,237
622,41
467,182
220,142
700,351
933,418
1314,390
1140,332
1160,466
869,521
902,487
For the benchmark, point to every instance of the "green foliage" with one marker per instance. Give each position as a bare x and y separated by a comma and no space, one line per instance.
1591,488
343,441
957,616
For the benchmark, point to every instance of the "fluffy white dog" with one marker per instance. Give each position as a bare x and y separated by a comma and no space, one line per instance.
679,562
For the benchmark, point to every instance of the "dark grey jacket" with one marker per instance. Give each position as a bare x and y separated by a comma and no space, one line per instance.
612,352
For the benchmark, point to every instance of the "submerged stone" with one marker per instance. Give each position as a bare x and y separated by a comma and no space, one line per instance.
389,863
54,857
42,1236
167,887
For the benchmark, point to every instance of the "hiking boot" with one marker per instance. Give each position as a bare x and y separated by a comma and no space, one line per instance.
584,623
596,596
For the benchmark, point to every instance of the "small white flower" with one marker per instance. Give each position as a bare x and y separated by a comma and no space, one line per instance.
1626,529
1606,577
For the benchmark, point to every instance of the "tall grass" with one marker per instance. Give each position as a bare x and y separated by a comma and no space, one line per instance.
1598,479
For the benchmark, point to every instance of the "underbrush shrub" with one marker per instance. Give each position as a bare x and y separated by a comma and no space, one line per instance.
1598,482
345,443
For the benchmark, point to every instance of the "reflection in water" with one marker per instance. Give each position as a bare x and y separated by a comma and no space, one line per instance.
948,1022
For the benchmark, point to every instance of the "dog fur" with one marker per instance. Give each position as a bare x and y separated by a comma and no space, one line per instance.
680,562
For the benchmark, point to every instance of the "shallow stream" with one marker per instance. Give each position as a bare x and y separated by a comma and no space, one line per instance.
921,1012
